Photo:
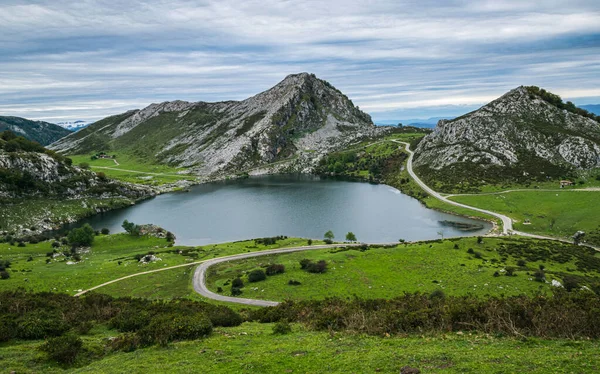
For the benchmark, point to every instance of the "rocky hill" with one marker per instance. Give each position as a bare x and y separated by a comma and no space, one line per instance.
527,134
296,122
28,170
38,131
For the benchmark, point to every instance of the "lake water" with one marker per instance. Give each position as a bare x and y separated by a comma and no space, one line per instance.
299,206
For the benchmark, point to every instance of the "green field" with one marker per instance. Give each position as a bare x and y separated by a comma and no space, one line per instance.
559,213
111,257
252,348
132,169
420,267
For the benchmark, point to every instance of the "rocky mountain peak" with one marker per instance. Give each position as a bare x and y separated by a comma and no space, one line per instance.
526,133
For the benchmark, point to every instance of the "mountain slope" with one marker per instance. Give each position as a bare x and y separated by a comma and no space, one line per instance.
297,122
521,136
38,131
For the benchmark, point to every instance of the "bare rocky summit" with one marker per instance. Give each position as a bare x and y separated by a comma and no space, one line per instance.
523,135
288,127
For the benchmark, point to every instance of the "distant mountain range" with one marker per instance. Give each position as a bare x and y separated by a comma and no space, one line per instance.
286,128
527,134
594,108
416,122
75,125
38,131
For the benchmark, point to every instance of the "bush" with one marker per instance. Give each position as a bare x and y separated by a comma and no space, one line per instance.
570,283
40,325
470,251
304,263
317,267
82,236
125,343
257,276
328,241
105,231
478,255
275,269
131,228
4,274
63,349
539,276
282,328
170,237
309,242
479,239
237,282
521,263
169,327
21,244
235,291
437,295
510,271
130,319
292,282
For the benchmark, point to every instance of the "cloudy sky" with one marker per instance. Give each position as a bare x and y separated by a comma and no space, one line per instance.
85,59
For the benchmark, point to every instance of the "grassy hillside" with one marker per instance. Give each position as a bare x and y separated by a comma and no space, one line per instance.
455,267
253,348
38,131
556,213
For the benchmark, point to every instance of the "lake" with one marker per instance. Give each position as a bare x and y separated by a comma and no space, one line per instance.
299,206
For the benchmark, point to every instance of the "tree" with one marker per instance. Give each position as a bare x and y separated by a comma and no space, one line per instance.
131,228
82,236
329,235
105,231
350,236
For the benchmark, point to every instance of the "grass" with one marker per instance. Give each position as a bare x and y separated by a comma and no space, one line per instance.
133,169
101,264
252,348
558,214
27,213
422,267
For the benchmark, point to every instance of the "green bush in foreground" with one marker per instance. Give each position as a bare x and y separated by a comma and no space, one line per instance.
63,349
257,276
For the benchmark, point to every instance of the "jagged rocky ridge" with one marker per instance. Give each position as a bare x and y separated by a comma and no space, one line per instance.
518,136
38,131
287,128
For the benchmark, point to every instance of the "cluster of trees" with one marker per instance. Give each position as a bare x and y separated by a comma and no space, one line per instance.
61,319
269,241
557,101
131,228
329,236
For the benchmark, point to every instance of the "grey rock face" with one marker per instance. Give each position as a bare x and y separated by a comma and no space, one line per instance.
502,131
302,117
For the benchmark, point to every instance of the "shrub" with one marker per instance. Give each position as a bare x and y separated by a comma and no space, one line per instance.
130,319
455,246
105,231
317,267
479,239
328,241
223,316
257,276
496,274
539,276
437,295
478,255
309,242
41,324
131,228
125,343
21,244
570,283
282,328
510,271
169,327
237,282
275,269
292,282
304,263
220,289
470,251
63,349
4,274
170,237
521,263
235,291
